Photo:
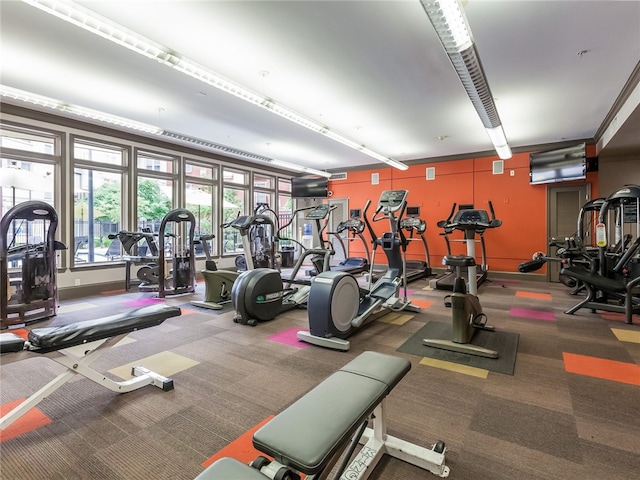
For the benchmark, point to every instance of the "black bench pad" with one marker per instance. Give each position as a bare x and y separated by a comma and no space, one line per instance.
307,434
230,469
595,279
56,338
10,342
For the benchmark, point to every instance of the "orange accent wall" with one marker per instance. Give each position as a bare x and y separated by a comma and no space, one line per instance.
521,207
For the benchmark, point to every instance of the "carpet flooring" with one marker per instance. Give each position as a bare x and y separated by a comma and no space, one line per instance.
569,409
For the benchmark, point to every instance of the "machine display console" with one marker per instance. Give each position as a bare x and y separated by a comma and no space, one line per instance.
318,212
471,216
392,200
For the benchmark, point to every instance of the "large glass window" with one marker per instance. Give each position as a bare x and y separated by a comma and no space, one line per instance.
98,176
235,195
156,189
201,198
28,161
285,209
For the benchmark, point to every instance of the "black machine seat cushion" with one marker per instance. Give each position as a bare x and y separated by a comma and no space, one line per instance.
307,434
230,469
56,338
595,279
10,342
458,261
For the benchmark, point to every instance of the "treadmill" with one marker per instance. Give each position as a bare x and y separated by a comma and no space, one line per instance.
473,223
414,225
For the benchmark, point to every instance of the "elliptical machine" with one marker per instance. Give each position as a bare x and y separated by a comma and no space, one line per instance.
338,307
465,307
262,294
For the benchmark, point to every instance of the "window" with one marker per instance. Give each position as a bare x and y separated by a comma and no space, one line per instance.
285,208
235,195
156,192
28,163
98,175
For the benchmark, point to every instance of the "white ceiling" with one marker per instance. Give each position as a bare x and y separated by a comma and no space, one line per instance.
373,71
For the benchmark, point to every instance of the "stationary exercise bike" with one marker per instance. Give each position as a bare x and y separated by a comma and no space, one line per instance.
338,307
465,307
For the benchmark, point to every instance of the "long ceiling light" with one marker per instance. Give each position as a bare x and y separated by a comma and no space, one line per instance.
27,97
92,22
452,27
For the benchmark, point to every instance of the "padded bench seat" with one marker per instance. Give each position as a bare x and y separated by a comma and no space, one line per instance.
595,279
307,434
10,342
230,469
56,338
312,433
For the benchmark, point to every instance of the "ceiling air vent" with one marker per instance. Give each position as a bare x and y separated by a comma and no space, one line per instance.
338,176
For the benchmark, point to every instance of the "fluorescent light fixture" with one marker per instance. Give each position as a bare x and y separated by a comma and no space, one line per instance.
499,140
98,25
27,97
245,155
452,27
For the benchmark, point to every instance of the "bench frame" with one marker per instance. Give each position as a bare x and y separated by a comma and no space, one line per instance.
78,357
293,454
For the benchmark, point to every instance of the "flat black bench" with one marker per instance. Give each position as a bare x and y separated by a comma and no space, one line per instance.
310,435
619,290
98,335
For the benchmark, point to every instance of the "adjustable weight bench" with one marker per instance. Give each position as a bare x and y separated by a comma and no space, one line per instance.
95,337
327,423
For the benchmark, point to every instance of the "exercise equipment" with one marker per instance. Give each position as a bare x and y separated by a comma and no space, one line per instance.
612,280
414,225
94,338
259,243
28,288
472,222
338,307
258,235
180,276
262,294
467,315
354,227
328,423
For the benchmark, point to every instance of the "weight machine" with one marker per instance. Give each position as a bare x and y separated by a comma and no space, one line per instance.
28,287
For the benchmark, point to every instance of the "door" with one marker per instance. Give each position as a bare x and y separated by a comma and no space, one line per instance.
564,205
341,244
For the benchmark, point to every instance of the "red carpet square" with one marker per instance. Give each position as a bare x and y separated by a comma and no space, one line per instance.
421,303
241,448
541,296
31,420
601,368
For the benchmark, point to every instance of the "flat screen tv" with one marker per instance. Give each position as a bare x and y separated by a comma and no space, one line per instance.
306,187
558,165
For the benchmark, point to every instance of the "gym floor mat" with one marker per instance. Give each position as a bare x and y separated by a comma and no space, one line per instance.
506,343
